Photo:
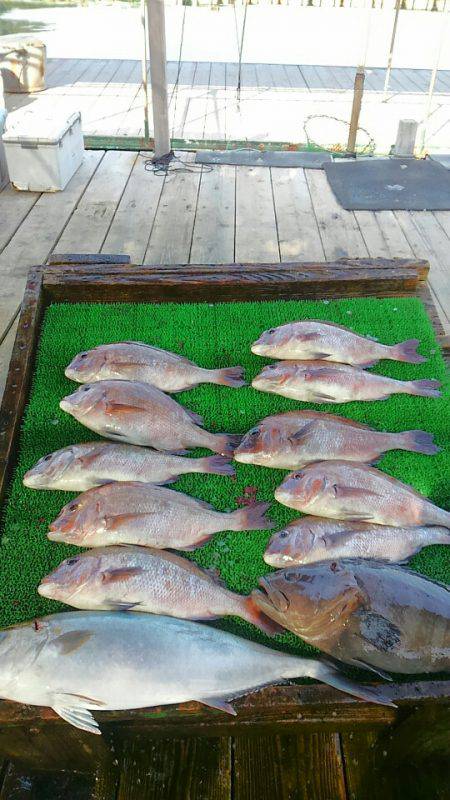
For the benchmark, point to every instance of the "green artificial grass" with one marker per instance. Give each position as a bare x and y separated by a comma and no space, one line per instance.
214,336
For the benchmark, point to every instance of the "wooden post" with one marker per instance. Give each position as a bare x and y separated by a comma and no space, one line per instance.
157,50
358,90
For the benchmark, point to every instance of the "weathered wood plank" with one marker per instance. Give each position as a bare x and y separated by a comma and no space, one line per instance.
14,207
213,237
20,784
298,234
256,229
179,769
363,764
338,228
6,348
133,220
304,767
89,224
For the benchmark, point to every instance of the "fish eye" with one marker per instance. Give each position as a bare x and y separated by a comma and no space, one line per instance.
47,458
85,388
283,534
254,432
272,330
71,561
73,507
83,355
271,366
290,576
298,475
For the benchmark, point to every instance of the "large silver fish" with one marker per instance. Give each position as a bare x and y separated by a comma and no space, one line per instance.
311,539
137,413
152,516
82,466
343,490
316,339
296,438
136,361
321,382
366,613
78,662
144,579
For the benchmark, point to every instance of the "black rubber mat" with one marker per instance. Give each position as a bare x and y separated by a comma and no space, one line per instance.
390,183
266,158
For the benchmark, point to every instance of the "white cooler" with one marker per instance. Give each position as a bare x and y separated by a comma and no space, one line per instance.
42,151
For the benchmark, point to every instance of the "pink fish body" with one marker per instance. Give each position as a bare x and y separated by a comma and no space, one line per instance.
296,438
137,413
316,339
321,382
145,579
137,361
344,490
145,514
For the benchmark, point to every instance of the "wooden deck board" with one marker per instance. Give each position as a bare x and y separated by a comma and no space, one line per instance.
256,229
213,237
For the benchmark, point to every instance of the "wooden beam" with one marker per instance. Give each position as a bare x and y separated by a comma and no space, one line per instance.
157,49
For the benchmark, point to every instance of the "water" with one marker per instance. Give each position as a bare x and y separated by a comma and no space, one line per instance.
23,25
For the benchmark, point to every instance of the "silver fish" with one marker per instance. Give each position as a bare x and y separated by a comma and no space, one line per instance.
145,579
83,466
152,516
137,413
316,339
136,361
343,490
296,438
311,539
321,382
78,662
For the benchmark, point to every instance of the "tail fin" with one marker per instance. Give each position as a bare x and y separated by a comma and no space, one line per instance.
250,518
230,376
418,442
327,673
225,443
424,388
215,465
253,614
406,351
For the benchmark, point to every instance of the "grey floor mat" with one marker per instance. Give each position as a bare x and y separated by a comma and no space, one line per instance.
389,184
266,158
442,158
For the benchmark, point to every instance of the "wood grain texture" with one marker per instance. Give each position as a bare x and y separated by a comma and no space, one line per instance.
256,229
296,767
176,769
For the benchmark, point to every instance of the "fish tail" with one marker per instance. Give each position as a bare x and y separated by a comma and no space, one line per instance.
327,673
224,443
252,613
424,388
437,516
406,351
418,442
230,376
250,518
215,465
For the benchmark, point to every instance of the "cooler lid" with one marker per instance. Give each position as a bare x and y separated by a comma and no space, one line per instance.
38,127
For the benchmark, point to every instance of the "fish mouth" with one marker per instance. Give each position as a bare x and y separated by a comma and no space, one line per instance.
258,348
271,599
65,405
275,558
48,588
32,481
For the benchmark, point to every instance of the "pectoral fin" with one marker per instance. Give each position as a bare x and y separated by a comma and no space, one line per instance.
120,408
72,708
120,574
219,703
320,397
113,523
299,437
352,491
69,642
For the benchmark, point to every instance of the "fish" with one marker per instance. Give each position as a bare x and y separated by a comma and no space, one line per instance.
321,382
311,539
317,339
136,361
131,512
357,492
77,662
137,413
79,467
364,613
297,438
145,579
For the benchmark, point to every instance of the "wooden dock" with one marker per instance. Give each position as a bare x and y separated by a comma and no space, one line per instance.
205,216
274,104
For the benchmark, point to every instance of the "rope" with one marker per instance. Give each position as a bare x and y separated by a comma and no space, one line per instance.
368,148
241,47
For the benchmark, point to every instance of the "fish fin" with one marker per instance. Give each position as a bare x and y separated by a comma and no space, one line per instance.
200,543
424,388
114,522
348,515
352,491
121,408
194,417
229,376
214,574
72,708
299,437
319,356
116,605
308,337
363,664
320,397
69,642
216,465
219,703
205,504
366,364
226,443
252,613
418,442
120,574
250,518
379,631
326,672
406,351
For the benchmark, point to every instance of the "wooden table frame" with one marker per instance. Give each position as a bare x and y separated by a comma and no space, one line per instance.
36,735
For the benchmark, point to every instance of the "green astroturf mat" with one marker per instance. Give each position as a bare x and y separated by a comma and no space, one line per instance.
214,336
